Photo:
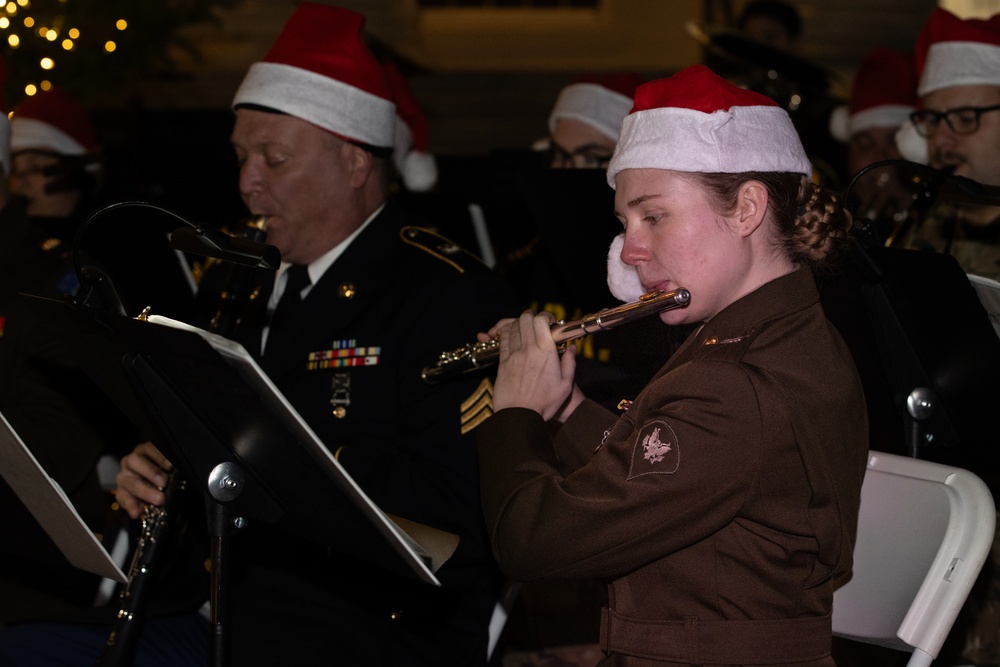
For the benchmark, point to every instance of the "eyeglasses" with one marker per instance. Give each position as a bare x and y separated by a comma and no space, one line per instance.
589,156
962,121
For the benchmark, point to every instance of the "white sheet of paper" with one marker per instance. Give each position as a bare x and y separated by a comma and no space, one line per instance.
989,295
49,505
425,547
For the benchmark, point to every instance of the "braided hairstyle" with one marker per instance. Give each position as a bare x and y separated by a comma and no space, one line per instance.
812,225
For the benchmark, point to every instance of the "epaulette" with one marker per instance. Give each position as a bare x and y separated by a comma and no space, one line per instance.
438,246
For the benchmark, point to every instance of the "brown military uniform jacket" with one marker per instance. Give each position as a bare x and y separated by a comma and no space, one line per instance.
722,506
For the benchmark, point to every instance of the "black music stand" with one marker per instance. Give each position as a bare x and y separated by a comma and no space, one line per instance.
922,340
226,427
928,355
941,353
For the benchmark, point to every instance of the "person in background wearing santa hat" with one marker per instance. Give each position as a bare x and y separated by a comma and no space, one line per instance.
584,122
721,504
55,408
313,136
958,64
55,158
883,95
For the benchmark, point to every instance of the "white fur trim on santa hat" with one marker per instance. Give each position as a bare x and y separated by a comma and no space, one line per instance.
888,115
32,133
911,145
593,104
960,64
623,279
742,139
330,104
403,145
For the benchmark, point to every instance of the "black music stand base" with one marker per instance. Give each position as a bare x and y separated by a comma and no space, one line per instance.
225,483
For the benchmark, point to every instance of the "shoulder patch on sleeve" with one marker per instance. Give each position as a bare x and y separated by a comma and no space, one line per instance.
656,450
440,247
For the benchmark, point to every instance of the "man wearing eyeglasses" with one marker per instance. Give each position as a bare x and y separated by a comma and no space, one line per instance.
958,63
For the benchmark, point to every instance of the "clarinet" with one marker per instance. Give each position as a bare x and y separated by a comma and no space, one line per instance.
157,521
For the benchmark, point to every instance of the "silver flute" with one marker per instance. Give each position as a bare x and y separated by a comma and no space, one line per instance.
480,355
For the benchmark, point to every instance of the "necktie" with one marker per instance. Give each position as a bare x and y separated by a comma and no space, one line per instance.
288,305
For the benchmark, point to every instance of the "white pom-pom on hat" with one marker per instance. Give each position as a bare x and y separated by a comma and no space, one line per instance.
911,145
419,171
623,279
417,168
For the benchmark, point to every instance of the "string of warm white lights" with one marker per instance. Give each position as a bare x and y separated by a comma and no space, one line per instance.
18,24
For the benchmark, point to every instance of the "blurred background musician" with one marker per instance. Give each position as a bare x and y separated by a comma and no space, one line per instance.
883,95
772,22
56,409
71,427
958,63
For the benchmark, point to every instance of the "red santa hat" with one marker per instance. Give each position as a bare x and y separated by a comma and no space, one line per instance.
696,121
52,120
320,70
415,165
601,101
884,92
954,52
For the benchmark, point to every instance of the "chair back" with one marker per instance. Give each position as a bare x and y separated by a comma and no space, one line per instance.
924,532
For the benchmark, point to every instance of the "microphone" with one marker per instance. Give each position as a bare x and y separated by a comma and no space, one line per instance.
212,242
96,287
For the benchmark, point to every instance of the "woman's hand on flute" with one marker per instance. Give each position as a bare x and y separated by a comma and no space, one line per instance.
532,374
143,475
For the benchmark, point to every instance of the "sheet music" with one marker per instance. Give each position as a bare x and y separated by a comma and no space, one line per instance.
989,295
427,546
51,507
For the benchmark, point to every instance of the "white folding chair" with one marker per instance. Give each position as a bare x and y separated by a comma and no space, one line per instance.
924,532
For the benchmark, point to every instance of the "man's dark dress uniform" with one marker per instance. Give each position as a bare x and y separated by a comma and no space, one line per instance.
383,311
